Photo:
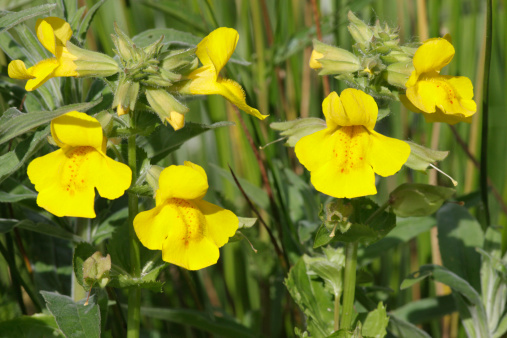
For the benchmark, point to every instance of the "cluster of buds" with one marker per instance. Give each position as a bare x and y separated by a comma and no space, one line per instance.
154,71
377,65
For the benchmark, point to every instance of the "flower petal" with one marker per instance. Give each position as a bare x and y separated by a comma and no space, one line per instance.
77,129
314,149
61,191
386,155
152,227
439,116
46,35
233,92
42,71
112,177
66,67
433,55
61,29
17,70
329,180
193,255
181,181
333,111
360,109
216,48
221,223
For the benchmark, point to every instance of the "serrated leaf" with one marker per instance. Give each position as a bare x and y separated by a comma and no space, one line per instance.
11,19
421,157
295,130
417,200
21,123
87,20
74,319
38,325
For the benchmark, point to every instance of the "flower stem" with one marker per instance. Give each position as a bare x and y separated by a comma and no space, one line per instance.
485,99
337,312
349,288
134,298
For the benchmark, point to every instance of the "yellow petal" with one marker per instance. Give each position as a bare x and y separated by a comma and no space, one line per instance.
329,180
180,181
360,109
233,92
216,48
314,64
193,255
221,223
63,182
314,149
42,71
61,29
17,70
46,35
333,111
153,226
176,120
386,155
66,67
439,116
433,55
112,178
77,129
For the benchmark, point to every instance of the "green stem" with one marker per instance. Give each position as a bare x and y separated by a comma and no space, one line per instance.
259,50
134,298
485,98
15,282
349,288
83,231
337,312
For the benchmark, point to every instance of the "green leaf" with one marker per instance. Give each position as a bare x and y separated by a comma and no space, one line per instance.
142,190
43,228
74,319
427,309
31,43
217,326
11,197
421,157
328,267
38,325
401,329
13,160
20,123
245,223
416,199
295,130
405,230
165,140
313,300
458,236
375,323
127,281
11,19
87,20
81,253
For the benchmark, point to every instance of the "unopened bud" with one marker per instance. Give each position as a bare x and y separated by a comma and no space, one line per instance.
360,31
335,60
397,74
90,63
126,96
167,107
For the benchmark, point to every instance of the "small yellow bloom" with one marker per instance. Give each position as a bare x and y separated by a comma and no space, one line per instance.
53,33
214,51
344,157
187,229
66,179
441,98
314,63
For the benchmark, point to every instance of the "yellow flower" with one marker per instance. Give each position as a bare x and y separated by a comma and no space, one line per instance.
53,33
314,63
214,51
187,229
66,179
343,157
441,98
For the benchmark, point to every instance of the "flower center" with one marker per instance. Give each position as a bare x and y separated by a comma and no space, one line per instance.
350,147
445,89
191,217
74,176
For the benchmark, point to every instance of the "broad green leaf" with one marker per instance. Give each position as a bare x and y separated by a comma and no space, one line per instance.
19,193
426,309
43,228
37,326
313,300
329,267
295,130
11,19
222,326
405,230
81,253
245,222
421,157
416,199
165,140
85,23
74,319
458,236
21,123
375,323
402,329
109,225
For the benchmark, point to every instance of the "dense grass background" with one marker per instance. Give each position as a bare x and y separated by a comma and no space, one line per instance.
275,36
